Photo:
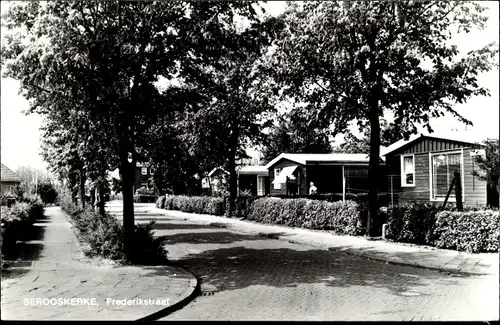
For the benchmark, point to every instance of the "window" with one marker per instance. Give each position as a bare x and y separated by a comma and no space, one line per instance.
408,170
444,166
152,171
144,170
261,186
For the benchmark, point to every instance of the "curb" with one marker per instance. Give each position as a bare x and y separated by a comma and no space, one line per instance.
193,283
378,259
419,266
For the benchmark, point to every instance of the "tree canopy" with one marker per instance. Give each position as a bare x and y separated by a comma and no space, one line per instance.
357,60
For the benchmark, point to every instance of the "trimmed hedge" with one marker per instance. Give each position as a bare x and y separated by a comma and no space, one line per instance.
384,199
343,218
242,205
412,223
471,231
196,204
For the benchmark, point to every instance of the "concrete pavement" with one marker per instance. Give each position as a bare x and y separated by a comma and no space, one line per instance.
55,281
385,251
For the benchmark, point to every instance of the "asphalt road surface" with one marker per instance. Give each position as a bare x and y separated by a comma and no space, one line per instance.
247,277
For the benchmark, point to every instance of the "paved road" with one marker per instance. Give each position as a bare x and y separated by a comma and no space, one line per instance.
247,277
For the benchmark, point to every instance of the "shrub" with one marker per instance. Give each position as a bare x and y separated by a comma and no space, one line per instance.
35,206
147,249
339,217
104,236
144,198
47,192
242,206
471,231
412,223
160,202
196,204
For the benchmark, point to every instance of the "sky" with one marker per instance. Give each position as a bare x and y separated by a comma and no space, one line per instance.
20,135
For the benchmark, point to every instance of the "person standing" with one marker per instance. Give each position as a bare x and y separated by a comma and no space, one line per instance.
312,189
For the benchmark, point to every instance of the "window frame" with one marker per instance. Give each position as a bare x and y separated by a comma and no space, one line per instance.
144,170
452,197
151,171
403,174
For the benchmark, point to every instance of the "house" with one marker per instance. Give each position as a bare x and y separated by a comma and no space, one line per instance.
422,169
291,174
143,172
9,180
217,180
253,179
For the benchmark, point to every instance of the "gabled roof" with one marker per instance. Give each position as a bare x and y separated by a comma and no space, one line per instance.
9,176
401,143
216,169
252,170
304,158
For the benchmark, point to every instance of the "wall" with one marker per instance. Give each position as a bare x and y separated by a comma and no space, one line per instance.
5,187
474,189
285,163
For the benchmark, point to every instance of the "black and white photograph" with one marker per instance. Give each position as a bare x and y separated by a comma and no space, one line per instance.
250,160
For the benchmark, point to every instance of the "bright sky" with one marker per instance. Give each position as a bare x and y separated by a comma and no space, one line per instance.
20,133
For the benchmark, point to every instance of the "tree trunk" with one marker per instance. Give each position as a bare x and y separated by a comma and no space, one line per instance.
233,182
127,171
92,197
373,167
101,200
82,187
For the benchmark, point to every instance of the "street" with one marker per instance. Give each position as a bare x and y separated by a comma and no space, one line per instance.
255,278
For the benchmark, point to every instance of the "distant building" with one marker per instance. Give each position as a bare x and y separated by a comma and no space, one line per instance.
9,180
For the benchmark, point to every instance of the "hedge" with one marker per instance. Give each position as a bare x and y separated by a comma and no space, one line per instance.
384,199
144,198
412,223
196,204
342,218
17,222
471,231
103,235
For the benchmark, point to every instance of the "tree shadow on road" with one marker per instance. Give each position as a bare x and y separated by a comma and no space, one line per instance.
214,237
241,267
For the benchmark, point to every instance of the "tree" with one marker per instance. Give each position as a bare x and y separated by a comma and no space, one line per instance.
31,176
101,61
232,115
353,144
295,135
489,165
357,60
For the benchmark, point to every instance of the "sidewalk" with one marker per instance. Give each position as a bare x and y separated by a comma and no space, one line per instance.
58,269
388,252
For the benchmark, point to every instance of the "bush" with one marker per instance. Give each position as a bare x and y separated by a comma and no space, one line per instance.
17,222
104,236
412,223
342,218
144,198
160,202
196,204
47,192
8,200
472,231
362,198
242,206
